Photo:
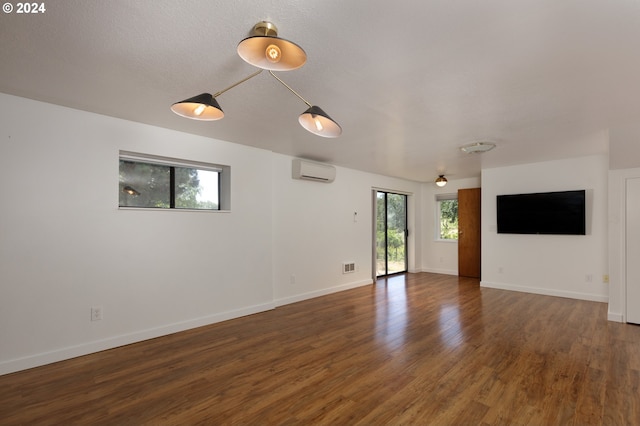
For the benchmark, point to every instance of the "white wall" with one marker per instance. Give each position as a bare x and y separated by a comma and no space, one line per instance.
624,160
314,230
560,265
617,242
440,256
65,246
624,149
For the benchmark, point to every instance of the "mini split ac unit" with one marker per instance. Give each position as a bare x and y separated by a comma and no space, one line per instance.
309,170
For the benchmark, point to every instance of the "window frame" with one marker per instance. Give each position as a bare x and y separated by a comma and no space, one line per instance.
224,179
438,230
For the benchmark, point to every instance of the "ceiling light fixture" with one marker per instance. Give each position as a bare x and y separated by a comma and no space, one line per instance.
441,181
267,52
314,119
204,107
264,49
477,147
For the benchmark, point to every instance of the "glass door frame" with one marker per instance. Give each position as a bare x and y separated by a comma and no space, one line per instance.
386,228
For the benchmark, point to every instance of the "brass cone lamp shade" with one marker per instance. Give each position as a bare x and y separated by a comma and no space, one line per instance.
441,181
318,122
267,51
202,107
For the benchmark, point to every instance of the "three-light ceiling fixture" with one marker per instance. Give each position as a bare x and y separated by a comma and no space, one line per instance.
266,51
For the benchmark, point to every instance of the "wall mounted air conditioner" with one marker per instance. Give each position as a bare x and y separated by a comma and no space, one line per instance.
310,170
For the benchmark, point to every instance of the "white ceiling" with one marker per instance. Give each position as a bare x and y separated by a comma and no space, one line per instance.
408,81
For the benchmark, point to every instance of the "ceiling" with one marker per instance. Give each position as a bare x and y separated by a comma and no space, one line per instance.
409,82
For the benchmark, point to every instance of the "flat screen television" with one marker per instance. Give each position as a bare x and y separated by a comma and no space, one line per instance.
551,213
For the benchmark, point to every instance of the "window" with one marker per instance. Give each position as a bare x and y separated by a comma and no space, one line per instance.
163,183
447,217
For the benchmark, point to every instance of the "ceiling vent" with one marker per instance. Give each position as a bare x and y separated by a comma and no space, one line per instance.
477,147
309,170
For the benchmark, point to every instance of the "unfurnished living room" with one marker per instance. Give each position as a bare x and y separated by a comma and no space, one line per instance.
332,213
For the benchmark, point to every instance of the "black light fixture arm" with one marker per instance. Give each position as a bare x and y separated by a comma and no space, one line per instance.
237,84
288,87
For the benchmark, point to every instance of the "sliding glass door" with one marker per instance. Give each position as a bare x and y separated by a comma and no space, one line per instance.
391,233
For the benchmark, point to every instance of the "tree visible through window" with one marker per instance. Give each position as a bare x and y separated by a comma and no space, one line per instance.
150,185
447,217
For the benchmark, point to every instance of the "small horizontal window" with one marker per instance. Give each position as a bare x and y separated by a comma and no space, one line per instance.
159,183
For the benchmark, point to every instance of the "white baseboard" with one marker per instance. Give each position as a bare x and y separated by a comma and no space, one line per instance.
615,316
546,291
37,360
323,292
441,271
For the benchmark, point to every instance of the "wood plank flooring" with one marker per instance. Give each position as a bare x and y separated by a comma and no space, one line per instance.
415,349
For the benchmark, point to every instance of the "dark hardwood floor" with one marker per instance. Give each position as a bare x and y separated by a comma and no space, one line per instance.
415,349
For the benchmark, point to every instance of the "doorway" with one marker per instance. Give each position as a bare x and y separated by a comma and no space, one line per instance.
390,233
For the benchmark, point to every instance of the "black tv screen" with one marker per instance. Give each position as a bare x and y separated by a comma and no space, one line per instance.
557,213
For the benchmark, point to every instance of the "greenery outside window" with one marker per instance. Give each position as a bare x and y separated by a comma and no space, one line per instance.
164,183
447,217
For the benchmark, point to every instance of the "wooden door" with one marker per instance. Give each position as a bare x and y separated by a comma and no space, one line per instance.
469,232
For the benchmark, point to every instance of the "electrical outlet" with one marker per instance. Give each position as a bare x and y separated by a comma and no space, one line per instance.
96,313
605,278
